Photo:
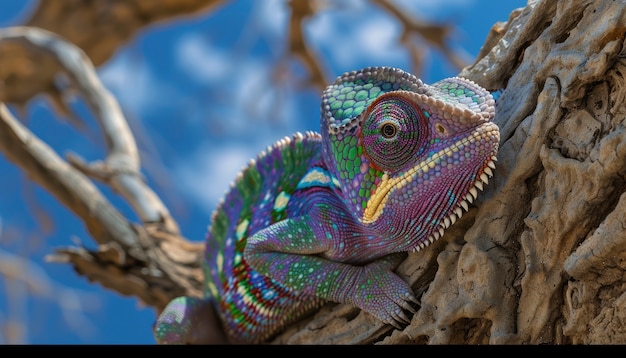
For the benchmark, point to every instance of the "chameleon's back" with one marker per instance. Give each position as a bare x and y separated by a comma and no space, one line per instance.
251,306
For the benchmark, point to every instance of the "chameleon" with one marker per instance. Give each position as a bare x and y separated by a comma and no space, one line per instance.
328,216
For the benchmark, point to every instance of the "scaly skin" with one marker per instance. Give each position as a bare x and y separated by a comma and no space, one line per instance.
328,217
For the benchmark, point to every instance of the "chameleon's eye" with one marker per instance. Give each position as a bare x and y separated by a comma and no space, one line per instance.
392,131
388,130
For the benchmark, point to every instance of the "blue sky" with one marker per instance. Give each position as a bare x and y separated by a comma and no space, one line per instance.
199,97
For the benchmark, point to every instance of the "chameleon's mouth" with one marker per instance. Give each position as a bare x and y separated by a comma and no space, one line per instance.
378,200
462,206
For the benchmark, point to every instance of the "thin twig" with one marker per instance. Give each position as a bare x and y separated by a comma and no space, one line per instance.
433,34
300,11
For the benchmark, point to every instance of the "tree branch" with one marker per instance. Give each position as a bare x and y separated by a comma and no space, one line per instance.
100,28
434,34
151,261
68,185
122,165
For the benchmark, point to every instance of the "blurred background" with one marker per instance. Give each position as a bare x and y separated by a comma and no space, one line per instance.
203,93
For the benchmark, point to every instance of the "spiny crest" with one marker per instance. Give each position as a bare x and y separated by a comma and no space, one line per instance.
247,315
278,145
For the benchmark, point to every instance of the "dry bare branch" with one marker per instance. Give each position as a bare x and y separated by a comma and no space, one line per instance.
435,35
99,28
71,187
121,169
298,47
151,261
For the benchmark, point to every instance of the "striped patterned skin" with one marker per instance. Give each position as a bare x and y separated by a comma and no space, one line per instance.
273,188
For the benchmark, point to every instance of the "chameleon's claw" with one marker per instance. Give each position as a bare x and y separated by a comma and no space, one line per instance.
408,307
397,317
394,323
402,317
412,298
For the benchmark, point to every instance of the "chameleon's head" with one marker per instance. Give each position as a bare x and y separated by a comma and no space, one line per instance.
408,156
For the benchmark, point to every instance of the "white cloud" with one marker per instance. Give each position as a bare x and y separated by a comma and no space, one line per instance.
133,84
273,15
374,40
198,59
209,172
378,36
246,89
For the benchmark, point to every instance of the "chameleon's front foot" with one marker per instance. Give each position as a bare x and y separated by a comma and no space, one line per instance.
189,320
382,293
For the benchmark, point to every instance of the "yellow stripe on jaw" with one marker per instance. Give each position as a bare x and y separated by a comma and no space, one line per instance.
377,202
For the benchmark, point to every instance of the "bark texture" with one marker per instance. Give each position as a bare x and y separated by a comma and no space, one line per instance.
540,257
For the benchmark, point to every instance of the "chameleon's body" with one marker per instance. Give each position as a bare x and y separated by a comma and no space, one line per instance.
322,217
